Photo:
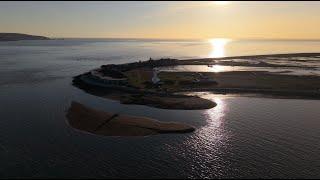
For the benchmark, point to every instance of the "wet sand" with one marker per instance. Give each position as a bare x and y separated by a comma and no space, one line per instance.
263,83
110,124
168,102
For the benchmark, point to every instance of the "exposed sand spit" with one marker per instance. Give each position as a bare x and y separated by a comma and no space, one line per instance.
110,124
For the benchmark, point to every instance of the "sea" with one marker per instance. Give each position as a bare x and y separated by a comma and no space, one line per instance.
242,137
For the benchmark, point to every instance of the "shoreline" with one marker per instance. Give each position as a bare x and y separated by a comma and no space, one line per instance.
261,56
310,95
149,98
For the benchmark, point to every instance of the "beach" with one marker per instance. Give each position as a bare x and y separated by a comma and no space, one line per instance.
109,124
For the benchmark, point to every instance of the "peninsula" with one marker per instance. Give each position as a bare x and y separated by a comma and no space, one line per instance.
18,37
161,83
165,83
136,83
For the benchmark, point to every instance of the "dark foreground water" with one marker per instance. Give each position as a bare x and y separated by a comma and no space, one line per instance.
242,137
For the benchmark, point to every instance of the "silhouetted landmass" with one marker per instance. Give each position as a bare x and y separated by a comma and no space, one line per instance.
19,37
137,85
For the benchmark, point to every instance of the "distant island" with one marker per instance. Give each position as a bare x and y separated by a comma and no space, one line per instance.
19,37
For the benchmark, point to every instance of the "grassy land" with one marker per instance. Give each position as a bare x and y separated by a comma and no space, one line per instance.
180,81
139,77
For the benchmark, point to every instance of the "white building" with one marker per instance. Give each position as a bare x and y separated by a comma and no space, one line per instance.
155,78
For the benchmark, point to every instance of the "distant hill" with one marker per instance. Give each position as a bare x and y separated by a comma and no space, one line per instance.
18,37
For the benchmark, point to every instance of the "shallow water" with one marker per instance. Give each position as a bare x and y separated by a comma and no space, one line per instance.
305,66
241,137
222,68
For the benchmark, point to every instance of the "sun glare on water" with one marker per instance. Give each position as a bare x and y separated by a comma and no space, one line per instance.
218,47
217,68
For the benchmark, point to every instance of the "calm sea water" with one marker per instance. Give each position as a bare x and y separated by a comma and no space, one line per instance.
242,137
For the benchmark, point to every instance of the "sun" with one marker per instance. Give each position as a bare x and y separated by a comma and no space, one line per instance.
221,2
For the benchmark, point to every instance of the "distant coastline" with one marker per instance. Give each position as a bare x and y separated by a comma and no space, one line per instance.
19,37
182,39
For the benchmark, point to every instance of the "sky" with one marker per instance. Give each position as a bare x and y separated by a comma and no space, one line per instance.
169,20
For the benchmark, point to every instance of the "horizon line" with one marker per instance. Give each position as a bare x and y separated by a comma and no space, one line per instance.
192,39
179,39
